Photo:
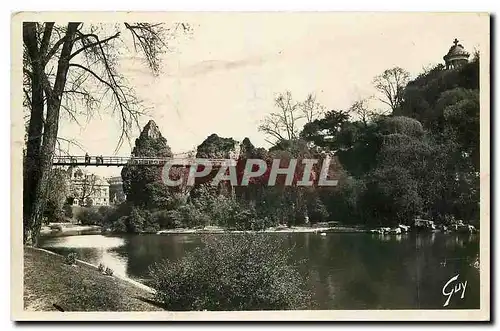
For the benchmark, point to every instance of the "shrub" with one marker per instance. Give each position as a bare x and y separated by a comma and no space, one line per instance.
107,213
70,258
166,219
149,224
246,218
68,211
112,217
231,272
101,267
151,227
90,216
228,212
189,216
175,200
317,211
135,221
120,225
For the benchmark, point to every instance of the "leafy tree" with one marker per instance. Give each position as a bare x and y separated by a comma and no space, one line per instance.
316,209
292,204
360,147
421,95
356,143
68,211
446,102
323,132
120,226
391,197
460,109
342,202
58,193
61,64
135,221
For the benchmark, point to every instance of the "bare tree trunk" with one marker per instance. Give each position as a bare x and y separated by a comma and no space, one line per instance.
50,137
35,126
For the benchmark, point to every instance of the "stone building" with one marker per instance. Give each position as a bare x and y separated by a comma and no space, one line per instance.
87,189
456,56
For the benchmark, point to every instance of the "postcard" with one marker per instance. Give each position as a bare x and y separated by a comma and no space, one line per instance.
180,166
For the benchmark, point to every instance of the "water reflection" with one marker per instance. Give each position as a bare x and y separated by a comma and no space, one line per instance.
343,271
94,249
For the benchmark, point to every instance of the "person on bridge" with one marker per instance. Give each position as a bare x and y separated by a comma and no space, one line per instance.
87,158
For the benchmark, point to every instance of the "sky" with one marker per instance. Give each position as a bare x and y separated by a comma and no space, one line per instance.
224,76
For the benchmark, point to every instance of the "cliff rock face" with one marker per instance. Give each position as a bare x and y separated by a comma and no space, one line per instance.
218,148
150,130
151,143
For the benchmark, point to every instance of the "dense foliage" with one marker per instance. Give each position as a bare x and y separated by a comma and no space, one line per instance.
231,272
56,210
142,185
421,159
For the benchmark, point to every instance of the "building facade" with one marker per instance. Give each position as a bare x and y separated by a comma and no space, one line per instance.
87,189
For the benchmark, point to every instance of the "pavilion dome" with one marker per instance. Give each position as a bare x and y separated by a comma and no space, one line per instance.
457,50
456,56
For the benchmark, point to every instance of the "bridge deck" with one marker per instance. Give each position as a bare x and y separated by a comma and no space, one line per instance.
120,161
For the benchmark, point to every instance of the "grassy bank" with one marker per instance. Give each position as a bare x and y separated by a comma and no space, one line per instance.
48,281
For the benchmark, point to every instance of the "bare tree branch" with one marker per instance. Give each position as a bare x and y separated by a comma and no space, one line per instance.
391,84
311,109
97,43
53,50
69,142
151,39
284,124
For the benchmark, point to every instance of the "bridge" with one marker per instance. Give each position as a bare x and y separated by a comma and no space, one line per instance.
120,161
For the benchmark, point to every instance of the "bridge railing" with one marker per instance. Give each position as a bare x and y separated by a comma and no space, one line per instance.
125,160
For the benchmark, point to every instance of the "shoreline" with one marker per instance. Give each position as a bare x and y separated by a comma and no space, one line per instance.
293,229
77,230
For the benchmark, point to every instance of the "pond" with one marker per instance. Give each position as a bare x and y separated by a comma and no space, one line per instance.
343,271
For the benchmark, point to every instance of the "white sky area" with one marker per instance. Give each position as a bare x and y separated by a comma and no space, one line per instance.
223,78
